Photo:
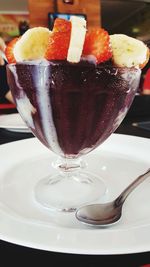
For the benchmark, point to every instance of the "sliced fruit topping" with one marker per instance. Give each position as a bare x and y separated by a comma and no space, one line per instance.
61,25
59,39
69,41
9,51
32,44
78,32
128,51
142,65
97,43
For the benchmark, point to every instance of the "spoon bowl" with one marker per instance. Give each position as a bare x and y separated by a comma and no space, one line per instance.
108,213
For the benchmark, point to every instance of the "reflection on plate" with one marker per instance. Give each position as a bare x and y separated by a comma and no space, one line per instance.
23,221
13,122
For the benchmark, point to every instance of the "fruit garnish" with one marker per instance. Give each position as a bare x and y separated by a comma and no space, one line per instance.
9,51
128,51
32,44
78,32
69,41
142,65
97,43
58,41
61,25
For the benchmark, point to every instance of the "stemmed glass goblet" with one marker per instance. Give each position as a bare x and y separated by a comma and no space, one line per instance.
71,109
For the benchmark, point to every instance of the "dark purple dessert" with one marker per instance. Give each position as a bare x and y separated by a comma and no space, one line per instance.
72,108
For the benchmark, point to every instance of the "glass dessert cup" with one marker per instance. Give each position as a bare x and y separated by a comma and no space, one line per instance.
71,109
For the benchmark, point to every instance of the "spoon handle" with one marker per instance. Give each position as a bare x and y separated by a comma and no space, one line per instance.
122,197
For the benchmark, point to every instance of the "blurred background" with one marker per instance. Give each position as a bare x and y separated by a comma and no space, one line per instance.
125,16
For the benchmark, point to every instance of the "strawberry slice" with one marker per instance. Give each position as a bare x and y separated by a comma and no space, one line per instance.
59,40
9,50
97,43
62,25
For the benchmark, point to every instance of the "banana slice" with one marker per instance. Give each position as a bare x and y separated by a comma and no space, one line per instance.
78,31
128,51
32,45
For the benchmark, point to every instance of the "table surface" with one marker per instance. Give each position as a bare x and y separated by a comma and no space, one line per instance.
9,252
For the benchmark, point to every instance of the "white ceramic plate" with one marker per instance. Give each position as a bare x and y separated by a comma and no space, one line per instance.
23,221
13,122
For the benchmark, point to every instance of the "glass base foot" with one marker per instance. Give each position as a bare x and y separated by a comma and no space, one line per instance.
70,191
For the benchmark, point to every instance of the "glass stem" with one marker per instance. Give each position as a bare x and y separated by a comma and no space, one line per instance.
69,165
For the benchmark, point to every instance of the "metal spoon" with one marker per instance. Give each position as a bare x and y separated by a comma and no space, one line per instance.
108,213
